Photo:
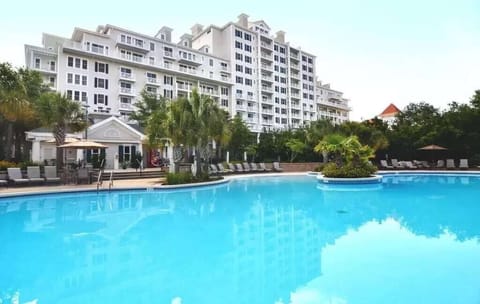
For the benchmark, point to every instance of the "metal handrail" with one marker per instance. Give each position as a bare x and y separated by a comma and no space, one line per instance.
99,179
110,184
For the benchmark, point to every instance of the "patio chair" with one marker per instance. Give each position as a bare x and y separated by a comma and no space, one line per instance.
239,168
463,163
276,167
385,165
264,168
451,164
440,164
33,174
409,165
3,179
83,175
233,168
15,175
51,174
222,169
212,170
254,168
246,167
396,164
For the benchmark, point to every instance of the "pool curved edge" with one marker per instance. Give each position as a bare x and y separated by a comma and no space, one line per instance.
376,179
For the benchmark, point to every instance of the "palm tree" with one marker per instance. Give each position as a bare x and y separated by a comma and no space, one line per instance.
193,122
58,112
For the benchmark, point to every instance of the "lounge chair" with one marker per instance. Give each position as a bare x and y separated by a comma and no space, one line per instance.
440,164
83,175
385,165
51,174
239,168
451,164
396,164
33,174
264,168
463,163
212,170
15,175
276,167
3,180
409,165
254,168
233,167
222,169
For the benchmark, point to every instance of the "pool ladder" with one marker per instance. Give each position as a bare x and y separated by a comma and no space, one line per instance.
100,180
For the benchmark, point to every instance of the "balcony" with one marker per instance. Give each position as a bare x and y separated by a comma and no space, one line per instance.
267,121
239,96
127,91
266,67
267,78
241,107
126,106
135,45
224,69
153,81
267,89
186,70
294,66
295,86
249,97
295,95
184,87
209,92
252,109
295,105
189,58
294,57
225,78
267,57
251,120
295,75
267,111
127,76
168,54
267,100
334,103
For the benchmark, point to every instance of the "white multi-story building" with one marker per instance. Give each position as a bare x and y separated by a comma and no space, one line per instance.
274,83
107,69
249,72
330,104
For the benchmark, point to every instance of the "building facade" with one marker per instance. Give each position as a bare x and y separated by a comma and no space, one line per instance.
247,70
330,104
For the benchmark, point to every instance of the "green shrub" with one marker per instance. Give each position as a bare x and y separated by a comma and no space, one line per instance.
4,164
187,178
319,168
349,170
136,160
23,165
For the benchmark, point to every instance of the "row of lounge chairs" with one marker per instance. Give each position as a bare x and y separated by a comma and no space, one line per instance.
15,176
243,168
450,164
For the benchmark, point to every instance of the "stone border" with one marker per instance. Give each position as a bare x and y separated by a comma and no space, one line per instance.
376,179
191,185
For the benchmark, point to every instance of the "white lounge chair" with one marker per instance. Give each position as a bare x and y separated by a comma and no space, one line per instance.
222,169
385,165
254,168
239,168
33,174
409,165
15,175
51,174
264,168
451,164
396,164
276,167
212,170
3,180
463,163
440,163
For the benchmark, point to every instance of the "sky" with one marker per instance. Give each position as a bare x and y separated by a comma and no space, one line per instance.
375,51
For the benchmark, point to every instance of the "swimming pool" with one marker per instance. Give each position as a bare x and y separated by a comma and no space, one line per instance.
412,239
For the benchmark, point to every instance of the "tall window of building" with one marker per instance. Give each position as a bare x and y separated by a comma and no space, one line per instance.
70,61
211,62
69,78
52,81
247,37
84,80
100,99
100,83
248,59
224,102
238,33
248,70
152,46
151,60
239,68
84,97
248,81
168,80
224,91
77,79
101,67
238,45
238,56
239,80
84,64
78,62
248,48
52,65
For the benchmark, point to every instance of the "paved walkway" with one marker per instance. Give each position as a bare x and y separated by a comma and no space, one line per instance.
133,183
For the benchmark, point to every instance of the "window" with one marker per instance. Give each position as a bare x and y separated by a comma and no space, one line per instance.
248,70
101,83
282,59
76,96
275,57
238,33
276,100
151,60
283,80
78,62
238,45
69,94
310,69
152,46
224,103
124,99
69,78
277,89
70,61
275,68
276,77
51,81
168,93
168,80
282,50
84,97
100,99
248,59
304,58
224,91
238,56
84,80
84,64
211,62
248,48
239,80
125,153
151,77
283,90
283,70
151,90
52,66
247,37
238,68
101,67
77,79
304,67
248,81
310,60
275,47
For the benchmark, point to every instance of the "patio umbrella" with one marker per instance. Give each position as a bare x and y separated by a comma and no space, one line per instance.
83,144
432,148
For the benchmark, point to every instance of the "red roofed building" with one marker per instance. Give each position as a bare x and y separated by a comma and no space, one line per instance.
389,114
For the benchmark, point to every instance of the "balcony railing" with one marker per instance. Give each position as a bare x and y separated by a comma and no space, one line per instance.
126,75
127,91
267,89
126,106
181,86
151,80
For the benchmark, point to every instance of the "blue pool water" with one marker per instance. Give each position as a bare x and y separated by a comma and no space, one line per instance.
412,239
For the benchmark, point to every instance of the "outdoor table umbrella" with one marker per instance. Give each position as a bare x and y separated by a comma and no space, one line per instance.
432,148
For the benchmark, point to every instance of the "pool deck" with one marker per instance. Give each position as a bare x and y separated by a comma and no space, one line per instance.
156,182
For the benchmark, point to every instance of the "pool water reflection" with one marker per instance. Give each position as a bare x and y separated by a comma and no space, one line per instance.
415,239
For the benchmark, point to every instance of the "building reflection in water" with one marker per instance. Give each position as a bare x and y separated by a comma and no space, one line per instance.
236,243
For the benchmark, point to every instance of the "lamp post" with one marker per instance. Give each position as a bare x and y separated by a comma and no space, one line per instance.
85,106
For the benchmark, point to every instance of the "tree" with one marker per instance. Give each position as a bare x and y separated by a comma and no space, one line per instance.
193,122
148,104
58,112
242,135
295,146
